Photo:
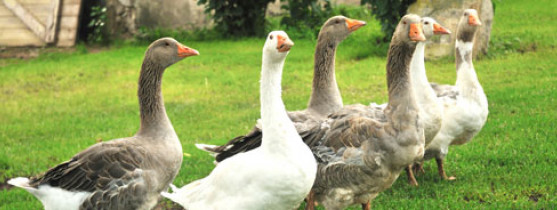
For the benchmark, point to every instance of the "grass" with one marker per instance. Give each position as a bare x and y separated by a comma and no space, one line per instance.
61,103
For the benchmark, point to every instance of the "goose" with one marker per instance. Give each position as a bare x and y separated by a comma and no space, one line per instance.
426,98
361,153
465,106
125,173
325,97
276,175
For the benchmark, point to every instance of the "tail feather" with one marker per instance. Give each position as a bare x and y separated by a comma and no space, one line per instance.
22,182
213,150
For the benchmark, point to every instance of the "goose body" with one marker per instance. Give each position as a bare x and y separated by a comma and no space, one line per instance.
430,110
276,175
362,149
325,97
126,173
465,104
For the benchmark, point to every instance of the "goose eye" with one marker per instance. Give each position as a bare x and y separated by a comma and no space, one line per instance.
337,21
271,37
404,22
167,44
426,23
465,14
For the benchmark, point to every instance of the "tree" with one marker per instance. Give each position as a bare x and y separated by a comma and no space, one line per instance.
238,17
388,12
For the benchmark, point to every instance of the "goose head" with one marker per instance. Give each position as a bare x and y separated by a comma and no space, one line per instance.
409,30
277,45
468,25
339,27
167,51
431,27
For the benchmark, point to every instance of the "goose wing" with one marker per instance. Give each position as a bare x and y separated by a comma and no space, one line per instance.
303,121
95,168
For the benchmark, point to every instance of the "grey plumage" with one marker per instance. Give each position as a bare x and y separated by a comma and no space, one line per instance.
127,173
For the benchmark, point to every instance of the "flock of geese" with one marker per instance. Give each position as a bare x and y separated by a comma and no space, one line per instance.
329,154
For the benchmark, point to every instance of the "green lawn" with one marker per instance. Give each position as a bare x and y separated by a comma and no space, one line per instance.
60,103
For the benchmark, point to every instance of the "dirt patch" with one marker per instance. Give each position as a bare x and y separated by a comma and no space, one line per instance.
19,52
535,196
5,186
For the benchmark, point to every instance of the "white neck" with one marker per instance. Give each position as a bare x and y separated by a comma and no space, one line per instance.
422,89
466,78
276,124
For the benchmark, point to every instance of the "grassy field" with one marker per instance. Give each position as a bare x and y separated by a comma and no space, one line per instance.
61,103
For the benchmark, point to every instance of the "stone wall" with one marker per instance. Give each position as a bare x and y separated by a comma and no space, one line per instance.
448,13
125,17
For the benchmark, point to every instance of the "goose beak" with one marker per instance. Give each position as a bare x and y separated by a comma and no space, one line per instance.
184,51
354,24
416,33
284,43
473,20
438,29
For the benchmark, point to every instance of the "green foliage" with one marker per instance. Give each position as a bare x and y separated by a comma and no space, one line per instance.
388,12
97,24
305,17
236,18
147,35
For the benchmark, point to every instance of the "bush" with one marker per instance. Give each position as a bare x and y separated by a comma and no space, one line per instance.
388,12
305,17
235,18
147,35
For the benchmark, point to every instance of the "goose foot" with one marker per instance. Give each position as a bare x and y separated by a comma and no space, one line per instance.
418,169
411,179
366,206
441,170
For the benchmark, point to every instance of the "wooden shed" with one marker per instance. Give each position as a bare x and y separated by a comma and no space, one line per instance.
38,22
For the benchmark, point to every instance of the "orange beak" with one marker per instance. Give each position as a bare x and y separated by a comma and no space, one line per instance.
438,29
284,44
473,20
354,24
416,33
184,51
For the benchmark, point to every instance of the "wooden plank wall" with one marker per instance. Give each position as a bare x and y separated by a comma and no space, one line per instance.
14,33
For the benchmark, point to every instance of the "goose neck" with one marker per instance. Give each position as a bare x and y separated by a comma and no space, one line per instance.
398,78
467,80
424,93
325,95
273,112
154,120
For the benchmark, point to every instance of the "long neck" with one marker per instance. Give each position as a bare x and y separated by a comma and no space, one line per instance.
325,95
398,75
422,90
466,80
273,112
154,121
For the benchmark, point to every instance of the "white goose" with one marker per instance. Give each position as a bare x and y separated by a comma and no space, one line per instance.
430,108
276,175
126,173
465,104
325,96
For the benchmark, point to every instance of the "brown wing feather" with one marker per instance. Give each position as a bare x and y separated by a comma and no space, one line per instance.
93,168
302,121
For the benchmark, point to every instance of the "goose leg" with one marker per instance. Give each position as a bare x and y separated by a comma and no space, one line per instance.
366,206
441,170
310,203
418,168
411,179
